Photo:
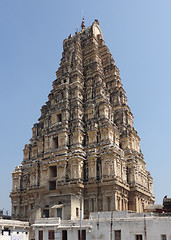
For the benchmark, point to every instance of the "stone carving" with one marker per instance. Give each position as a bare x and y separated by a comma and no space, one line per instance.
84,144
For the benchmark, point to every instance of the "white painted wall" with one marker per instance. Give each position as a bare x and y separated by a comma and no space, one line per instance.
103,225
17,229
15,236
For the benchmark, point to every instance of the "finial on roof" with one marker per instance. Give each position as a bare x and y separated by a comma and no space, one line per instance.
83,24
97,21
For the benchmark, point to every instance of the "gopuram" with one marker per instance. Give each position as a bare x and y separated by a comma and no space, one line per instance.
84,152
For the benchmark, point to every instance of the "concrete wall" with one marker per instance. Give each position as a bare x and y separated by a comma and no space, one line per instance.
103,226
14,230
15,236
76,202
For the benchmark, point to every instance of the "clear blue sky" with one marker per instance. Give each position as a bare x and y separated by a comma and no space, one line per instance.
138,34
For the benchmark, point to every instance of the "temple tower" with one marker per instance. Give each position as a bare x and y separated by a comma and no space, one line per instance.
84,151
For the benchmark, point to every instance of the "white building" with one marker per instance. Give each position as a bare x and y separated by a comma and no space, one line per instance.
14,230
122,225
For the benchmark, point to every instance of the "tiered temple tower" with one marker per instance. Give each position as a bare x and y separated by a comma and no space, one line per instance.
84,151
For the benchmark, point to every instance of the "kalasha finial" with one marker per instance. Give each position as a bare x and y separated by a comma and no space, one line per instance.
83,24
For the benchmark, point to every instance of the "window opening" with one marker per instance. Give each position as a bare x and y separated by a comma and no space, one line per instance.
51,235
45,213
83,235
127,174
59,117
40,235
55,143
64,234
52,171
138,237
117,234
52,185
163,237
77,212
59,213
